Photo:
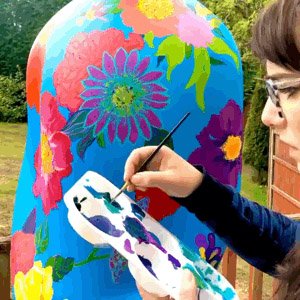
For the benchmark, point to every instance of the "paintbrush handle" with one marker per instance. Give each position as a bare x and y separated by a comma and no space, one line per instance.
144,164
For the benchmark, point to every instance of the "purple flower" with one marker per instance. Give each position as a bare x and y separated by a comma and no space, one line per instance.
221,145
122,97
208,250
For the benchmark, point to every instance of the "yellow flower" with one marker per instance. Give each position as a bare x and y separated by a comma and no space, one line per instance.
35,285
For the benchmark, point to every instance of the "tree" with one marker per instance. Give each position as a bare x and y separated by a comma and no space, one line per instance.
20,22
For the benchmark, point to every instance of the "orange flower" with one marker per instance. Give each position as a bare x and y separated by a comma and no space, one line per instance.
34,75
160,17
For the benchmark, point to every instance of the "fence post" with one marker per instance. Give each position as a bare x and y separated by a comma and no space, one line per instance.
255,284
229,266
5,268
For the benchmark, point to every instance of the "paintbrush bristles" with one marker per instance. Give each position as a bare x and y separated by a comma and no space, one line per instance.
123,188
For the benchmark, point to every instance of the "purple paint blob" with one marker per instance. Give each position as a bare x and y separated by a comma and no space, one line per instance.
147,263
127,246
105,225
175,262
29,226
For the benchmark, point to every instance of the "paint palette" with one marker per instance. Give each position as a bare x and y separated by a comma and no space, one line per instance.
156,257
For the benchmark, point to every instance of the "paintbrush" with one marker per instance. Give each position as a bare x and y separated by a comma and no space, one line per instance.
143,166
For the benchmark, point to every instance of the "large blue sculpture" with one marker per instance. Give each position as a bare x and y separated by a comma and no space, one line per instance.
103,78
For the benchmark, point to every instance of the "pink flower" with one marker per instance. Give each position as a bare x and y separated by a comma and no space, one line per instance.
194,30
87,49
53,157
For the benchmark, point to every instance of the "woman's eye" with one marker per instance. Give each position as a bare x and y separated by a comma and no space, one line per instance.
289,91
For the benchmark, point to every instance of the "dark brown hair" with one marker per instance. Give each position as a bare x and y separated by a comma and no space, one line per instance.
274,35
289,276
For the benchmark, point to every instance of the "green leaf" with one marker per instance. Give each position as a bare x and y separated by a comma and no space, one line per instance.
61,266
216,62
42,238
115,10
101,140
157,136
174,50
149,38
188,51
200,75
220,47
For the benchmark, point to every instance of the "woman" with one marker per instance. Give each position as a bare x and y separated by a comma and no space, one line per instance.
270,236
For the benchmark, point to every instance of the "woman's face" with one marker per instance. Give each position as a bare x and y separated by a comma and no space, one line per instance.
288,126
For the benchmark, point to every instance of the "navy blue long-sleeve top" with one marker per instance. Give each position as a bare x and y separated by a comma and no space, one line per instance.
260,236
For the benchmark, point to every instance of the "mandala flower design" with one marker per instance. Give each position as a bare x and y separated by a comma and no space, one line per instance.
221,145
208,249
87,49
122,96
23,247
53,158
36,284
158,209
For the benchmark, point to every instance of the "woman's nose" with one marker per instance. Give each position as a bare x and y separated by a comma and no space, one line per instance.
271,116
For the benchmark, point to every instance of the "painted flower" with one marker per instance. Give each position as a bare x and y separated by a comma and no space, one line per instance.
167,17
97,11
194,30
208,249
160,17
221,145
165,207
36,284
87,49
118,265
34,72
53,158
22,251
121,97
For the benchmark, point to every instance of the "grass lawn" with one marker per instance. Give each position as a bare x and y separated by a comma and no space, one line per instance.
12,142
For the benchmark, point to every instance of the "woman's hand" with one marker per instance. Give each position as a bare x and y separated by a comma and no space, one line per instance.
188,289
167,171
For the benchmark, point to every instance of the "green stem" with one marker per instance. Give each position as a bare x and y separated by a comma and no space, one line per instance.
86,261
91,257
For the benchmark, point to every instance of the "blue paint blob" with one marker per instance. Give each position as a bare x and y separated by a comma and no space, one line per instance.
136,229
98,195
137,211
147,263
105,225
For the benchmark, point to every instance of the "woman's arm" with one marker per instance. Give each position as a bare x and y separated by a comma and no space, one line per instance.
260,236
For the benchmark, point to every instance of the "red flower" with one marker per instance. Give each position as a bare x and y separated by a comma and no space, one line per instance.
23,248
160,204
34,72
87,49
53,157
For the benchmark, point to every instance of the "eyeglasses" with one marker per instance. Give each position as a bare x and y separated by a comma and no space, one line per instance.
274,87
